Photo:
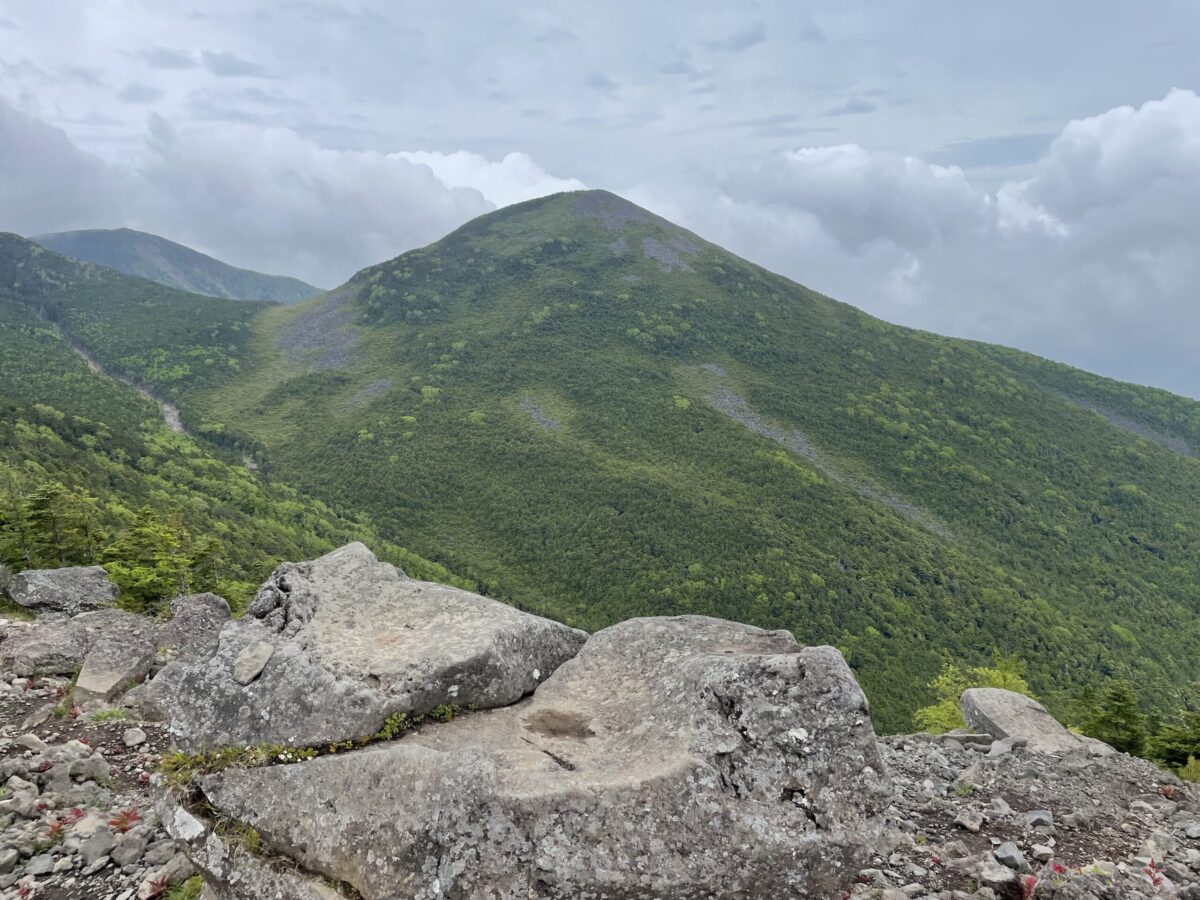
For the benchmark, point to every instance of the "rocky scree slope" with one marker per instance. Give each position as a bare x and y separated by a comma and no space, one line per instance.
679,757
174,265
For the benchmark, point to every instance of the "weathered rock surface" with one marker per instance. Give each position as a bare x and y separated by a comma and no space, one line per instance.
59,647
346,641
67,591
114,664
672,758
1006,714
196,621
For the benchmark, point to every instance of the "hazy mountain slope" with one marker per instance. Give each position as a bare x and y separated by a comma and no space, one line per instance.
166,262
63,424
597,415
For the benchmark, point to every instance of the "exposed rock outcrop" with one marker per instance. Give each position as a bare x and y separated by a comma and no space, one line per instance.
331,648
1007,714
64,592
670,755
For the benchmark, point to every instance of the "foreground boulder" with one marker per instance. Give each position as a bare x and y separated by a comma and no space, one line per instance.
60,647
672,758
1007,714
331,648
68,591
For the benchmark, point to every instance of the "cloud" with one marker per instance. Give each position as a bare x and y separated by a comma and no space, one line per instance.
46,183
740,40
1092,259
166,58
598,81
853,107
1000,150
229,65
134,92
512,179
263,198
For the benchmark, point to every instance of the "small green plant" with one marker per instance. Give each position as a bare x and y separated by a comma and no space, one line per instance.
965,789
110,714
446,712
1191,771
189,890
394,726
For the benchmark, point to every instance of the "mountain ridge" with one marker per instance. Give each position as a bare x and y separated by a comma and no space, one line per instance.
173,264
530,403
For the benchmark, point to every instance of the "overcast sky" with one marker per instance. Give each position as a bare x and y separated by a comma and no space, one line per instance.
1019,172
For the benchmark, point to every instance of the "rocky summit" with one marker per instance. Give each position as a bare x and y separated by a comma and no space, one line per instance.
360,734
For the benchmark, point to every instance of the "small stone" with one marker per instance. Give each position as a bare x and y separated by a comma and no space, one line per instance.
99,844
1039,817
32,742
9,857
1075,819
913,890
64,864
1009,854
1192,830
42,864
130,850
133,737
1041,852
1160,844
1000,807
970,819
96,865
251,661
1141,806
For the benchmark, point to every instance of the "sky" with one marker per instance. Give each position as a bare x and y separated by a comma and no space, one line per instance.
1023,173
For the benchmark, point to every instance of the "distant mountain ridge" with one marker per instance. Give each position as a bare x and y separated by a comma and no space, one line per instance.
174,265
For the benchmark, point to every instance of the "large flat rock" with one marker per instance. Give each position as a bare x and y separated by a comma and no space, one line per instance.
671,758
1004,714
66,591
330,648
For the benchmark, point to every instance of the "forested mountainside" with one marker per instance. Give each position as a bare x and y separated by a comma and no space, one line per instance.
594,414
91,473
174,265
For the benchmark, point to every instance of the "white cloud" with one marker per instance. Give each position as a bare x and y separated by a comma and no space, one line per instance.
1093,259
263,198
502,182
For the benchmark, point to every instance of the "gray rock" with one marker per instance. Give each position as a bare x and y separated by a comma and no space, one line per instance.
1004,714
130,849
32,742
115,663
133,737
669,756
92,768
98,845
1039,817
9,857
1192,830
59,647
196,622
42,864
970,819
1009,855
251,661
66,591
354,642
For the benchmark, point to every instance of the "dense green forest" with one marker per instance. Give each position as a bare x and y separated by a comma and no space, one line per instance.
594,414
89,472
166,262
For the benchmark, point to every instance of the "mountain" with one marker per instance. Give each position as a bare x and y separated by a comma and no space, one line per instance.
594,414
89,459
166,262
